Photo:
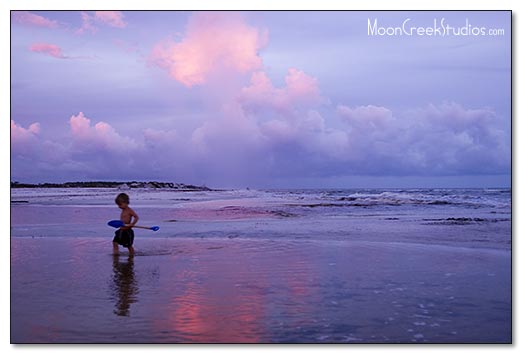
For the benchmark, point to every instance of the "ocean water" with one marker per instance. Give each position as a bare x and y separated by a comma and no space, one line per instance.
458,217
263,266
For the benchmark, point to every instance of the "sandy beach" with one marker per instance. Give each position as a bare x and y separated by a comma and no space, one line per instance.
257,277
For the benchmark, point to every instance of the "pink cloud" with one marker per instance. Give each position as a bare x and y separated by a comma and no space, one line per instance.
21,134
213,41
28,18
87,25
110,18
101,136
301,90
24,141
48,49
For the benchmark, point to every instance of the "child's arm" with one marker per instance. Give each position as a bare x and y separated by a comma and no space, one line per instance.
135,216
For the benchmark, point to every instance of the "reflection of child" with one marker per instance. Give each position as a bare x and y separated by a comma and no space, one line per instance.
125,235
125,286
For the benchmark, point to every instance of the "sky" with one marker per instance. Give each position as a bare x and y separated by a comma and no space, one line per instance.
264,99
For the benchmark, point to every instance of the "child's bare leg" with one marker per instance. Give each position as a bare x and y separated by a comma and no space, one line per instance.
115,249
131,250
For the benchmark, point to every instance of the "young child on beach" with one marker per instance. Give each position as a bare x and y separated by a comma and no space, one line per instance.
125,235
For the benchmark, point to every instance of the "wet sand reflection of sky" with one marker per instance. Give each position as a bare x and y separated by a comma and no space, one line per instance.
237,299
256,291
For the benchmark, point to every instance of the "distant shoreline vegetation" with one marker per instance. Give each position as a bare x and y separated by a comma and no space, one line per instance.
119,185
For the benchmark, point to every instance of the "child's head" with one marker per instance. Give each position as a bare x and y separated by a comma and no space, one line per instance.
122,200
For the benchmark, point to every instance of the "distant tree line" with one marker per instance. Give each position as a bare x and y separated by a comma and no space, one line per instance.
108,184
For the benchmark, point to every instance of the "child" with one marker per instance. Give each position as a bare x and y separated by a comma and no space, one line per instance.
125,235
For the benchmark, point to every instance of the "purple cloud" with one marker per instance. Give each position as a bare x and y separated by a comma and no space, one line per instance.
372,140
31,151
437,139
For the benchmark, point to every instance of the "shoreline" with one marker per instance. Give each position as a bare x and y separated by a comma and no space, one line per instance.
326,242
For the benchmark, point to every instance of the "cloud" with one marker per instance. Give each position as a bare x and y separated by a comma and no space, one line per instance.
213,41
108,18
301,91
48,49
30,19
100,137
88,151
452,138
158,138
227,130
87,24
366,117
273,131
22,138
301,141
445,139
236,146
289,122
33,154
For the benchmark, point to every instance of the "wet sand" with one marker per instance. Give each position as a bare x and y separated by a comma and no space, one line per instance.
185,290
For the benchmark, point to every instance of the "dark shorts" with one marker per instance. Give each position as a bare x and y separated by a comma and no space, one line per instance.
124,237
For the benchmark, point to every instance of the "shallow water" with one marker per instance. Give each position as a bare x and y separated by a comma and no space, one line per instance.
186,290
413,272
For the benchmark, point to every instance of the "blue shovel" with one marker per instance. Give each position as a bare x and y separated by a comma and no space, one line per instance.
118,223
